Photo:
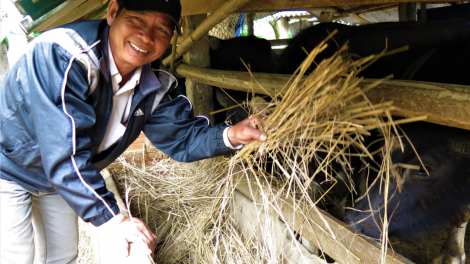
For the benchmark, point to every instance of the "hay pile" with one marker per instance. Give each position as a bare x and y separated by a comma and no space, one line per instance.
320,119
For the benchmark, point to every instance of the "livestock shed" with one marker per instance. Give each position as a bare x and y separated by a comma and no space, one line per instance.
275,213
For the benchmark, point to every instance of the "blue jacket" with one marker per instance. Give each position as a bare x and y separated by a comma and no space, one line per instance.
56,103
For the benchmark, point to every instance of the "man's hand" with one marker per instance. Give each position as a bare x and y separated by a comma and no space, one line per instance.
245,131
132,229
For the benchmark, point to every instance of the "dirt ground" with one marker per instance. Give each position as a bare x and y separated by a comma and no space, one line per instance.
421,251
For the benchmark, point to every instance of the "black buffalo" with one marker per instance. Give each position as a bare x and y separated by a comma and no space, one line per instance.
239,54
430,188
438,51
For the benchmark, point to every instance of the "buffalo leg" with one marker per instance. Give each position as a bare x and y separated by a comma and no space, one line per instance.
453,252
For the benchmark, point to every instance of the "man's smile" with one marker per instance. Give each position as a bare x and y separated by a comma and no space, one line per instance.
137,48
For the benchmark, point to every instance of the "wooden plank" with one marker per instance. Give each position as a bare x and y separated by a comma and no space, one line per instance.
273,233
200,94
332,236
193,7
444,104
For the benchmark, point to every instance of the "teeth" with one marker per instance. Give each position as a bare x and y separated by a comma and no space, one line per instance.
137,48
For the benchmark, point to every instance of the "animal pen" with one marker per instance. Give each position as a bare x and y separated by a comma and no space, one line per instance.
241,213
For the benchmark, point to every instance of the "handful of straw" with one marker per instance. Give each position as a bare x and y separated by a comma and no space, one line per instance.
326,112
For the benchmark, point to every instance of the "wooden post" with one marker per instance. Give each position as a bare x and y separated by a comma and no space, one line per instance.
407,12
4,66
226,9
326,17
3,53
284,28
250,21
422,12
199,94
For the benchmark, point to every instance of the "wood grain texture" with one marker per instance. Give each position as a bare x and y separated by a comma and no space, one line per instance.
332,236
200,94
444,104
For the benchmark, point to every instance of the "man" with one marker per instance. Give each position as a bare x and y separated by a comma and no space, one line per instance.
72,104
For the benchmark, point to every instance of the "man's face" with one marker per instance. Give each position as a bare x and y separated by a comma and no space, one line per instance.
137,38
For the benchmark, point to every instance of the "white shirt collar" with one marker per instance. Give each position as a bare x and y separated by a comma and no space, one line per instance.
117,78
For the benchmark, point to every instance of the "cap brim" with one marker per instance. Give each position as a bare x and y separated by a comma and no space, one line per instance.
136,8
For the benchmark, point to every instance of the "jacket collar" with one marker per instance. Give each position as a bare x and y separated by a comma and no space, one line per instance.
104,67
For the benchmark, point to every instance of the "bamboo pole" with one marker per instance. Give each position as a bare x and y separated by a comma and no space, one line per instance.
369,9
220,14
363,9
444,104
355,16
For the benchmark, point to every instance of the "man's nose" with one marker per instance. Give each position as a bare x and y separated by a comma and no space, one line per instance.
147,35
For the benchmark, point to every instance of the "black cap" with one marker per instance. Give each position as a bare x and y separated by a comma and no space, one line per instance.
171,8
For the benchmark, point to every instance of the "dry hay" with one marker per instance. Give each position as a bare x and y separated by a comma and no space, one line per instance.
186,205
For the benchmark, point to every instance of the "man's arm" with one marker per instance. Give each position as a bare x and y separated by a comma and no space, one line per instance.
174,130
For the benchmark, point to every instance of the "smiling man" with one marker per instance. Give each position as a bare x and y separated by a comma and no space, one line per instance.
77,98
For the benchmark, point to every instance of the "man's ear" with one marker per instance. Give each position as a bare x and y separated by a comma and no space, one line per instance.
112,11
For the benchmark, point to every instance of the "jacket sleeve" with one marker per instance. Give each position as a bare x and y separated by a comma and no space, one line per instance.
61,118
174,130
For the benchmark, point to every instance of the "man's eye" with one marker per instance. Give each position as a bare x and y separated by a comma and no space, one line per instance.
160,29
138,18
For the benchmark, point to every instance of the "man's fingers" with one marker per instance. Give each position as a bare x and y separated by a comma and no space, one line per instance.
138,232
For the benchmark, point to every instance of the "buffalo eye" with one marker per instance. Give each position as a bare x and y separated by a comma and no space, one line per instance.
422,171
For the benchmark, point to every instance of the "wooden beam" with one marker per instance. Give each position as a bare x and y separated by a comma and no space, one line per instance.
55,14
335,238
444,104
77,13
223,11
362,9
191,7
200,94
359,19
326,17
354,16
369,10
